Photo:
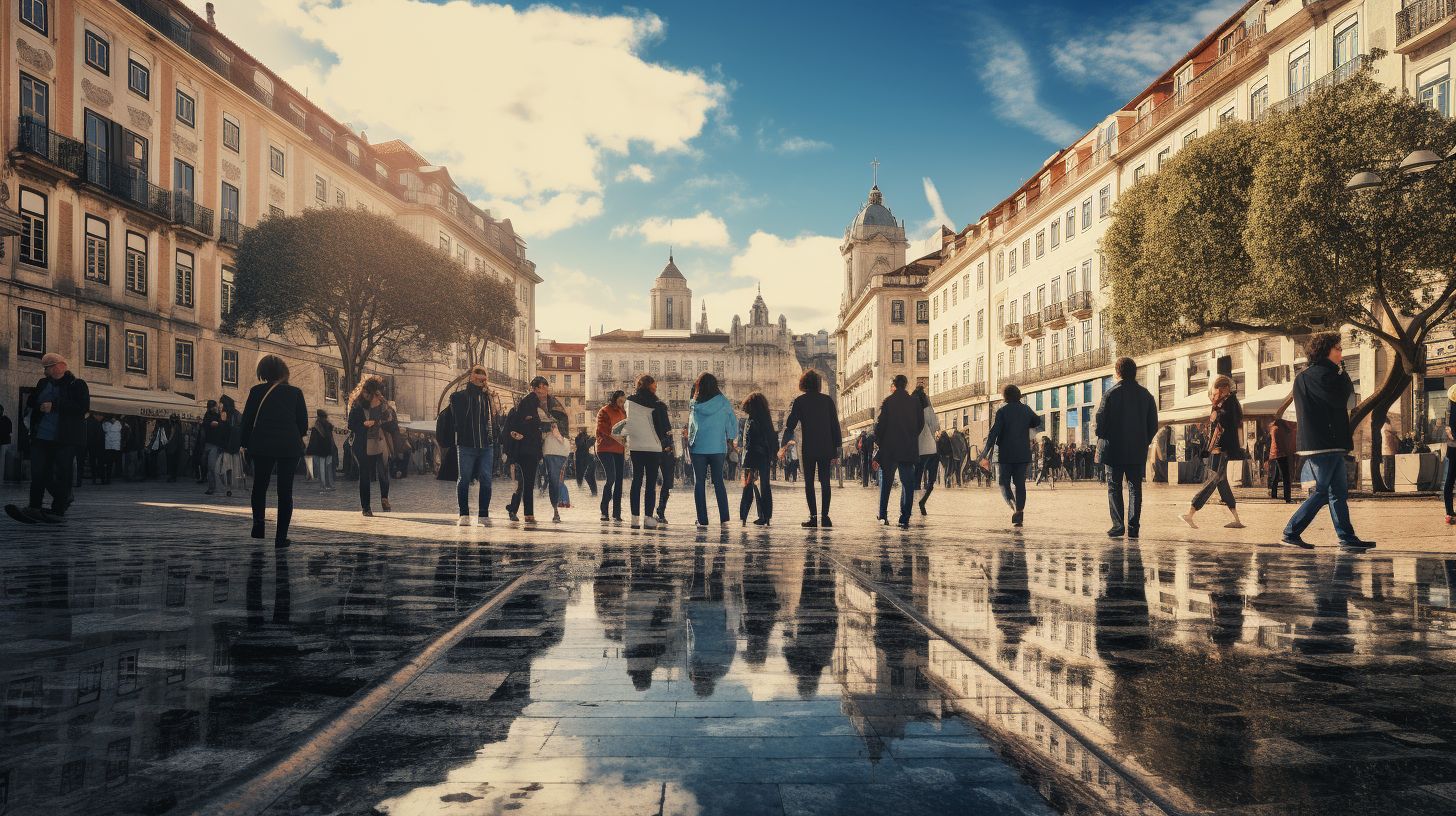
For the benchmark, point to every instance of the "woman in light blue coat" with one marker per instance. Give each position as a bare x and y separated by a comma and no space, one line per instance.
711,431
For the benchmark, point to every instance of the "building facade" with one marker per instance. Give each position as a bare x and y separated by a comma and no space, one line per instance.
564,365
140,145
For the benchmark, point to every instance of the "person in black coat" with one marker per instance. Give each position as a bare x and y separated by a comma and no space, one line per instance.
369,425
1225,432
866,456
819,443
1321,394
55,414
525,428
275,420
1127,421
760,444
898,430
1011,430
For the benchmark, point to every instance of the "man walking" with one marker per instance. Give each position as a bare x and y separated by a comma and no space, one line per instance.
1281,456
586,466
866,456
475,431
55,411
1323,438
1011,432
1127,421
898,431
958,452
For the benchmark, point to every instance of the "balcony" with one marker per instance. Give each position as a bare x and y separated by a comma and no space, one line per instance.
1011,334
968,391
1079,305
1331,79
1421,22
54,151
1097,358
856,377
862,415
190,215
126,184
1032,327
1054,316
231,231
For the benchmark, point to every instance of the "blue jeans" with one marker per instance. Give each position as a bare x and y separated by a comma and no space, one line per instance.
1331,487
906,472
613,464
709,464
555,487
474,464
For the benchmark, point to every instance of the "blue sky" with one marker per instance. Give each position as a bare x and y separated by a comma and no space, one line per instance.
740,132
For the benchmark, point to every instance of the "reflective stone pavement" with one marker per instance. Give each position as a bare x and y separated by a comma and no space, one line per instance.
154,660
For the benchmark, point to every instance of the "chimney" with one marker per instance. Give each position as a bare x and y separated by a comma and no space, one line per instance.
211,15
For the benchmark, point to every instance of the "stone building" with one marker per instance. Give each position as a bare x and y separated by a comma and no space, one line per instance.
757,355
816,350
564,365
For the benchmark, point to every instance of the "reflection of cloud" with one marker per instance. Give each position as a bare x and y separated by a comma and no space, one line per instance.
1012,83
703,230
1132,49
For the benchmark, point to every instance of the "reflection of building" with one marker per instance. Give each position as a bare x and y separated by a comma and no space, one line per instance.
564,364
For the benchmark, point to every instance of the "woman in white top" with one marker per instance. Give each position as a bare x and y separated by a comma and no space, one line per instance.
555,447
929,463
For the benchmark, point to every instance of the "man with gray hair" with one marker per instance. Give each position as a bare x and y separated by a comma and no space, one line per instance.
55,412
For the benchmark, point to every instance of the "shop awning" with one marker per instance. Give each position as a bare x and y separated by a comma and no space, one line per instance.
1199,413
109,399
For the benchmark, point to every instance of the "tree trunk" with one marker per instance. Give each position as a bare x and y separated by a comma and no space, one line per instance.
1376,406
449,389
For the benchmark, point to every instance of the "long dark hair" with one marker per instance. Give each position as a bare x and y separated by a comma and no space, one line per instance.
756,406
921,397
706,387
614,396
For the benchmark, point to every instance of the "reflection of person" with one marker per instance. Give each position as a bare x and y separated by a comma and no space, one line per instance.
810,647
714,642
1127,419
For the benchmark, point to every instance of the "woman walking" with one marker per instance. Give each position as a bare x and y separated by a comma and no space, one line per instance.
369,413
644,427
612,454
320,450
816,420
712,428
1224,432
555,447
759,446
525,426
1049,461
229,462
929,464
274,423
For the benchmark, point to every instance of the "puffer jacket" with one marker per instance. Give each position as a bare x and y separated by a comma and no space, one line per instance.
646,423
607,418
711,425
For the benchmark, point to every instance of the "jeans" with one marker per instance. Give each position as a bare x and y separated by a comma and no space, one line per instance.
555,487
613,464
762,490
822,467
525,486
1280,470
646,465
1217,480
372,466
323,471
263,467
1013,483
709,464
866,462
51,470
474,463
1330,487
664,484
925,471
906,471
586,469
1447,484
1130,520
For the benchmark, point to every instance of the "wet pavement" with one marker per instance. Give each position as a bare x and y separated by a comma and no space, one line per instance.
854,670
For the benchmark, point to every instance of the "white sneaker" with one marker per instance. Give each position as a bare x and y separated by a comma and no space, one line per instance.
636,522
649,522
464,521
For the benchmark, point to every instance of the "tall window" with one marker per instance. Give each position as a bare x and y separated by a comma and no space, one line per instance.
98,250
670,313
1026,253
1434,87
922,311
922,350
35,100
897,352
1299,68
232,134
229,367
184,278
1259,101
227,297
138,79
1104,202
980,323
321,191
182,359
1347,40
1011,263
230,204
981,275
186,109
98,148
1086,214
1163,156
31,328
897,311
276,161
184,181
98,344
33,228
1071,220
136,263
36,14
136,351
98,52
331,384
1040,243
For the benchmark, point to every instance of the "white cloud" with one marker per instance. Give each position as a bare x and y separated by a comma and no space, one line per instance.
576,305
938,216
1130,50
801,278
1012,83
522,105
774,140
636,172
704,230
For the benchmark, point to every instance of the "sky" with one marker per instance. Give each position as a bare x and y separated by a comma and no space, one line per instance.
740,135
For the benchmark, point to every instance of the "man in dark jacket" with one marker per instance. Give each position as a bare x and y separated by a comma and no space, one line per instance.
814,413
1281,456
1127,421
586,466
1011,430
898,431
473,416
56,412
866,456
1321,393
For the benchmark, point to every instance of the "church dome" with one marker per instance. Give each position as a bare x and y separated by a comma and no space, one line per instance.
874,213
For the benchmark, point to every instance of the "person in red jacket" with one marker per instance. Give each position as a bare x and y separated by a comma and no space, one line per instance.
612,454
1281,456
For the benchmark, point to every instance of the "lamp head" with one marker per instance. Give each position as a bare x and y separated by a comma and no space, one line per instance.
1419,161
1363,180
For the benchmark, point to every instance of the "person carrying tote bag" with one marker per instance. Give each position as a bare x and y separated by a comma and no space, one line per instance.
1224,444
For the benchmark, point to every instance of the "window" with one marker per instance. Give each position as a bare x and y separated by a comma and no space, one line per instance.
136,263
1434,87
98,250
184,181
1163,156
1040,243
1347,40
1011,263
230,207
182,359
1180,80
118,759
897,311
186,109
1189,137
331,384
1086,214
229,367
31,328
35,13
35,100
445,243
922,350
1138,173
33,228
937,305
326,135
1299,69
897,352
232,135
227,297
276,161
341,198
922,311
1259,101
321,190
98,52
184,278
136,351
980,323
980,276
1226,115
1026,252
1000,266
955,289
1071,220
138,79
97,132
98,344
1104,202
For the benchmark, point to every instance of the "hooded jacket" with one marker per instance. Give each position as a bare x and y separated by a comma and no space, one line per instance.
646,424
711,425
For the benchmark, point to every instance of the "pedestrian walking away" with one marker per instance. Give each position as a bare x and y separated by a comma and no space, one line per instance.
929,461
54,414
473,421
644,427
814,417
866,457
272,428
1323,439
612,453
1224,435
1010,438
111,445
760,445
897,431
525,429
586,466
712,431
1282,435
320,449
369,414
1127,421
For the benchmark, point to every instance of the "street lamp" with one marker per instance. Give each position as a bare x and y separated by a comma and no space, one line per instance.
1363,180
1415,163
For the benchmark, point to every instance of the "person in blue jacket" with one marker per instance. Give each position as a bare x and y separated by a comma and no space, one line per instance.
711,430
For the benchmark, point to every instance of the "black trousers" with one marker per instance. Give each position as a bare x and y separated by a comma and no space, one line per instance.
762,491
1280,469
52,469
866,465
586,469
822,467
370,467
525,485
1125,517
646,465
669,464
287,467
